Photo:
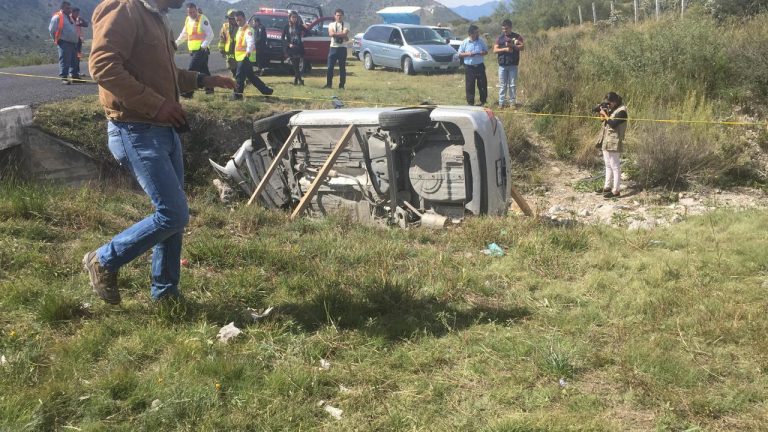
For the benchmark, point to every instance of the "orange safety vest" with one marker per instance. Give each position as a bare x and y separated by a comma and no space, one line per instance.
195,33
60,28
240,44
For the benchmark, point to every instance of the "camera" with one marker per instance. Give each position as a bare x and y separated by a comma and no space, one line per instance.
339,39
604,105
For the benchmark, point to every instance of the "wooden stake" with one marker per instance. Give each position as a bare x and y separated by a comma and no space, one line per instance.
315,186
273,166
594,14
635,11
581,21
521,201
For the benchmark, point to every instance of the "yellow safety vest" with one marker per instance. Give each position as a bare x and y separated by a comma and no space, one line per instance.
240,44
225,42
195,33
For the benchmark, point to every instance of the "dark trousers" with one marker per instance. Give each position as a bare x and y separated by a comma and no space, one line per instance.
232,65
334,55
476,74
297,63
262,57
199,63
68,59
245,74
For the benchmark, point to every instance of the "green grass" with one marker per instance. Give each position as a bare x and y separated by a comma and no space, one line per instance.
423,332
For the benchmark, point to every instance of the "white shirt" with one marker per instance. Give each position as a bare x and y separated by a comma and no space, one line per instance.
250,41
337,28
207,29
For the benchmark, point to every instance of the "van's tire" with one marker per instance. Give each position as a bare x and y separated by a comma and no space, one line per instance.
273,122
408,66
368,62
405,120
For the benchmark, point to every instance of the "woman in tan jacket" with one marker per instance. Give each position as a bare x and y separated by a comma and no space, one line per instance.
614,116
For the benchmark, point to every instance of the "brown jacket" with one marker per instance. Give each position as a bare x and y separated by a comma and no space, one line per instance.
132,60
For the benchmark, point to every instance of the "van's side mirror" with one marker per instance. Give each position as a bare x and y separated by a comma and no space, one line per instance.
448,41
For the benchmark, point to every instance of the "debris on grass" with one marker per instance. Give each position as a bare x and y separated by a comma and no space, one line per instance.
256,315
333,411
343,389
563,383
324,364
493,250
228,332
3,360
156,404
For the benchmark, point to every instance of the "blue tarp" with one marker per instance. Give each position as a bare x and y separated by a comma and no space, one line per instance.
400,18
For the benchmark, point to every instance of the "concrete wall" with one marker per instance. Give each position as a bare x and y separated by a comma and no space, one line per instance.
47,158
13,123
31,154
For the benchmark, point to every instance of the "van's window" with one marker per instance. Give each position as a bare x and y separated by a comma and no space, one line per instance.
377,34
395,38
422,36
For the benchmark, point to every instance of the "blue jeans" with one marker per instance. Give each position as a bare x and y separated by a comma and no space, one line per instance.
153,155
68,59
507,78
334,55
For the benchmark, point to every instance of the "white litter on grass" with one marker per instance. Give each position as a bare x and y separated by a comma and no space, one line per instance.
257,315
156,404
324,364
343,389
3,360
228,332
563,383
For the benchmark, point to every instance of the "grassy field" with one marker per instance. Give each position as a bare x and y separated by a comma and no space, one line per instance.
582,328
575,328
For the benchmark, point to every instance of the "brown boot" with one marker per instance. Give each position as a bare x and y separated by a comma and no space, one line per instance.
103,281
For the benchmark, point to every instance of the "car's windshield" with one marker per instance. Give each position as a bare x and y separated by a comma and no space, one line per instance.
422,36
272,21
445,33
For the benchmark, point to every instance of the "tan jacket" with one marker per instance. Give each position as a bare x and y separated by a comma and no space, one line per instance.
132,60
611,139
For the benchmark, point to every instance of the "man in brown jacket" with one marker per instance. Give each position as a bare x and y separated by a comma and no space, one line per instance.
132,60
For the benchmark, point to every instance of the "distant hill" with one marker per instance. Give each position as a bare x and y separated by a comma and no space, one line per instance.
24,23
475,12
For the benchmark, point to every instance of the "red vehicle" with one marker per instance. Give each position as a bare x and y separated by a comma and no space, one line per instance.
316,40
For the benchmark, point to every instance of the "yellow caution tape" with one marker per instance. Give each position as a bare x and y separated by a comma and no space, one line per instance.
499,113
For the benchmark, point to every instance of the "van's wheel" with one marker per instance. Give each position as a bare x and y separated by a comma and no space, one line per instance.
368,61
405,120
408,66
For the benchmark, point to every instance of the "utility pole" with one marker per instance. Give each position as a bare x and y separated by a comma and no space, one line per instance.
581,21
657,10
594,14
635,11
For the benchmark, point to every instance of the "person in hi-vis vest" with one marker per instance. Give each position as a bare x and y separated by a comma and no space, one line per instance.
64,35
245,54
227,41
198,34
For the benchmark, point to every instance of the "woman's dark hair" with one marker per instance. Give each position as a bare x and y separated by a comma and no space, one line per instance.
614,97
296,14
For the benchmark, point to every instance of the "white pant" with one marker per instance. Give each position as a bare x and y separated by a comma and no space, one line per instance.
612,170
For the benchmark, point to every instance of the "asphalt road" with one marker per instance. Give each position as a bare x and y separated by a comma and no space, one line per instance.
19,90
